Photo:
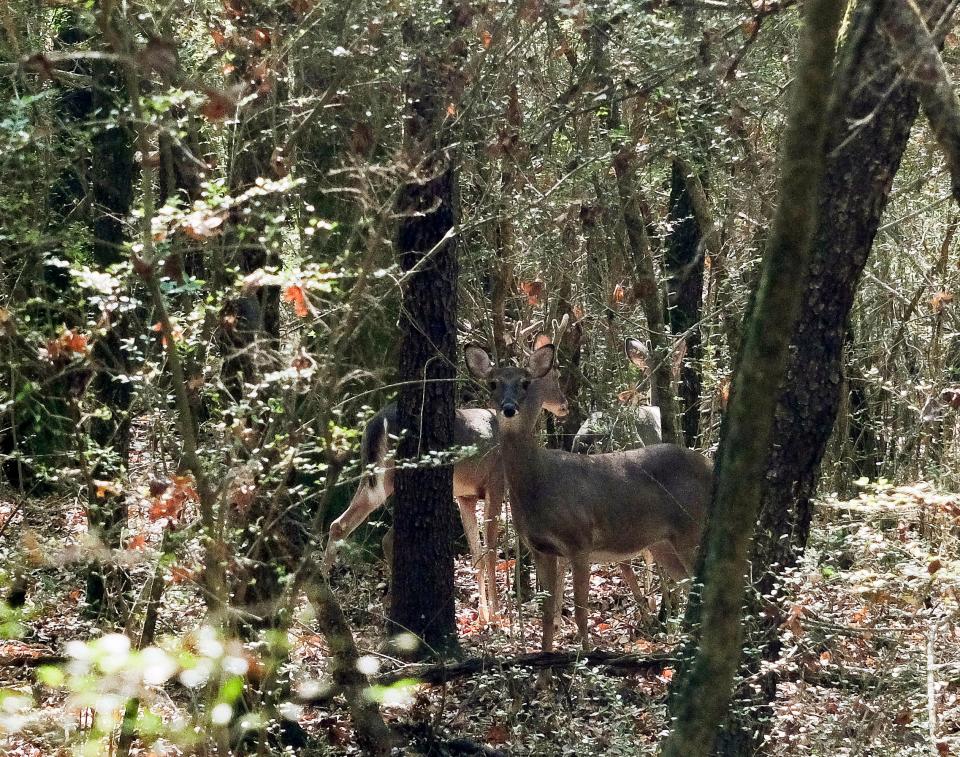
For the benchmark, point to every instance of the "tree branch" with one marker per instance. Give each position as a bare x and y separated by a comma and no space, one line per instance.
918,53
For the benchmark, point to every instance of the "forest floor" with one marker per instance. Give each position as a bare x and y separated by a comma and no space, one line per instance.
871,662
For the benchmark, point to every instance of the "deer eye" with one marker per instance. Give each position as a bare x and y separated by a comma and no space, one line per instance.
492,384
525,384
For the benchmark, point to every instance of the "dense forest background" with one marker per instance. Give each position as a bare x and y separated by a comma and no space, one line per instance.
231,231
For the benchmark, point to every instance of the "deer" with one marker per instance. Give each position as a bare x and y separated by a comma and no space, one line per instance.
599,431
478,477
602,430
606,507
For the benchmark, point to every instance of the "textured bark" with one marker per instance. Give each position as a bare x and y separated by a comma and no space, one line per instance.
423,516
684,259
854,193
424,522
703,691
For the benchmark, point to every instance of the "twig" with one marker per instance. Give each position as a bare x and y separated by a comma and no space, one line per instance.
932,688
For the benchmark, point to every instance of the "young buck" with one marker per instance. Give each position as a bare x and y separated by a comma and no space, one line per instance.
479,477
590,508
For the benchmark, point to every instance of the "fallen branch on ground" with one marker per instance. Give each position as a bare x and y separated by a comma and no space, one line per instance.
613,661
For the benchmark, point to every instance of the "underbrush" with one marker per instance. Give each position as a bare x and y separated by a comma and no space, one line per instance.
869,664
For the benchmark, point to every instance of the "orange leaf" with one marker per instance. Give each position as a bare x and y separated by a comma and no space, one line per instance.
218,37
295,295
261,38
180,575
619,294
217,106
451,110
107,488
940,300
534,290
138,541
498,734
486,38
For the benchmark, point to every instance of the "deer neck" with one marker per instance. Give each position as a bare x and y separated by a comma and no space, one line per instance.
519,450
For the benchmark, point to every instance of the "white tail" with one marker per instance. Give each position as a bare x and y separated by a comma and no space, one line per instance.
474,478
591,508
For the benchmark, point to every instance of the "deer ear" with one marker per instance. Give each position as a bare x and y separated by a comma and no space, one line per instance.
636,353
541,361
542,340
478,361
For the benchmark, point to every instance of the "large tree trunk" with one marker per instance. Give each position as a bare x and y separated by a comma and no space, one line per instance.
702,692
853,195
423,590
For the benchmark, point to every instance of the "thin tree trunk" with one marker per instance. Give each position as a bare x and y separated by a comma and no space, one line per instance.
684,262
703,691
112,174
853,196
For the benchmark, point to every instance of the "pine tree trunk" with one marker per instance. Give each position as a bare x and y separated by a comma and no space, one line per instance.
423,591
423,513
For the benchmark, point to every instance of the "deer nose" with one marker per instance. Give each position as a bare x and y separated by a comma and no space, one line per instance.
509,409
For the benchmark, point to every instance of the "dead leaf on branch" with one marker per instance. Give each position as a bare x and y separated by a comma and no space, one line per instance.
70,343
534,291
218,105
940,300
295,295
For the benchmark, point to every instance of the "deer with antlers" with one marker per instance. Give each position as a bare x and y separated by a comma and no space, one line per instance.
590,508
475,478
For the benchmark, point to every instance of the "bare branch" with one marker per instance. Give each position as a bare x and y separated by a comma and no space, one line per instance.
918,53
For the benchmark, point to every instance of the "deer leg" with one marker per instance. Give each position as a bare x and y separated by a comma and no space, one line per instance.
630,579
468,514
581,593
365,501
673,567
647,571
492,506
547,570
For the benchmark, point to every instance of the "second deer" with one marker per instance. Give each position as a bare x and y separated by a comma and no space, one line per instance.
479,477
590,508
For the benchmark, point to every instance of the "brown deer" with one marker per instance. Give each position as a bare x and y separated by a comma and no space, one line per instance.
479,477
590,508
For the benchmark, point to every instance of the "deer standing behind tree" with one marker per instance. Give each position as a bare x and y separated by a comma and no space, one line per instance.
604,431
590,508
478,477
